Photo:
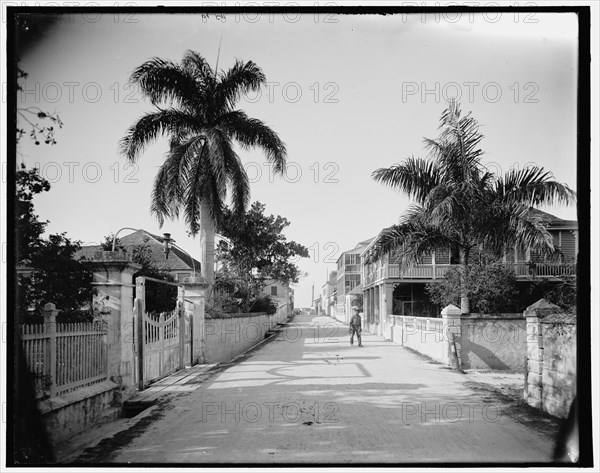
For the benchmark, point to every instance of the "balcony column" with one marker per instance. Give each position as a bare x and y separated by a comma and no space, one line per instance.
371,305
377,313
387,312
367,305
433,263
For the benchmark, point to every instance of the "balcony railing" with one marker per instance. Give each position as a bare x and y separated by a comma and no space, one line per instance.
429,271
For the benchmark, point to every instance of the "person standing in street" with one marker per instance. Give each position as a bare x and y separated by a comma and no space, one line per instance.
355,327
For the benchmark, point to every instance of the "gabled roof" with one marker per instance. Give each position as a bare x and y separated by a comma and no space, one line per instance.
372,242
552,221
359,247
177,260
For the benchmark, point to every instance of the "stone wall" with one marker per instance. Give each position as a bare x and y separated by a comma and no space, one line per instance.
74,412
495,342
492,342
422,334
228,337
284,312
551,359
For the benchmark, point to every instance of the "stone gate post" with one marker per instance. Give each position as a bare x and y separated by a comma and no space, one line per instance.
534,314
195,293
113,277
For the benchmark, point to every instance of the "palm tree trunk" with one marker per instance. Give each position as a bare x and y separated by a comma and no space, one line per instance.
207,246
464,297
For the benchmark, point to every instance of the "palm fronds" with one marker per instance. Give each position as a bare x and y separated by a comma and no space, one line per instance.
415,177
201,167
460,202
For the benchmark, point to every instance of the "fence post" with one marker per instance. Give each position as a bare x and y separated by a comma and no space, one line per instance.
140,308
181,322
452,331
50,312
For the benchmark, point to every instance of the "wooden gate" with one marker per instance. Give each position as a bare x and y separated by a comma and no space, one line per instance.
163,347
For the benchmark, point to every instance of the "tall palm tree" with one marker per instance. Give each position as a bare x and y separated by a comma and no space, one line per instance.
459,204
195,110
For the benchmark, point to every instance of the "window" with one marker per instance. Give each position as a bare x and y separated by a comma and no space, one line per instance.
351,259
181,276
352,280
273,290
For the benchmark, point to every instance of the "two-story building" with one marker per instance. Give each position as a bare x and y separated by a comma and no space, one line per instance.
389,289
349,277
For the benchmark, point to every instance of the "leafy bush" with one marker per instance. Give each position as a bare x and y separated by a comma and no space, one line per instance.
56,277
491,289
357,301
264,304
563,292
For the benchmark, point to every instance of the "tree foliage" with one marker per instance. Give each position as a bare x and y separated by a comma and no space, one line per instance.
562,292
255,251
58,277
29,227
491,288
41,125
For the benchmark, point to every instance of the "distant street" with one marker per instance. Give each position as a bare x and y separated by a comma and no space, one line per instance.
310,397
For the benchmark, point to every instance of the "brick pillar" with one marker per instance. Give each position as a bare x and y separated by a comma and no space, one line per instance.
452,331
195,294
534,315
113,277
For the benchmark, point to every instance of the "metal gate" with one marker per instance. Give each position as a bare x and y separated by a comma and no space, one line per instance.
162,346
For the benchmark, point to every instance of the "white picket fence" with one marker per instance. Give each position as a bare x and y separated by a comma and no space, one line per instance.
64,357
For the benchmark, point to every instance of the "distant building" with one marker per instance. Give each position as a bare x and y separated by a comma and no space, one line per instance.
349,276
329,294
317,306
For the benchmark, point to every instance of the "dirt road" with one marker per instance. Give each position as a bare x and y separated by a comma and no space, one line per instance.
310,397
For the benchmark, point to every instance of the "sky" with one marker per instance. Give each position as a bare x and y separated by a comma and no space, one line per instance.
347,94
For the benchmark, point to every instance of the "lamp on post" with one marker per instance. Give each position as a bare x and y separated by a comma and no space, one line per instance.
168,242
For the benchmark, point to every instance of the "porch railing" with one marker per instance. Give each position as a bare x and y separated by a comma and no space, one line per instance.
438,271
